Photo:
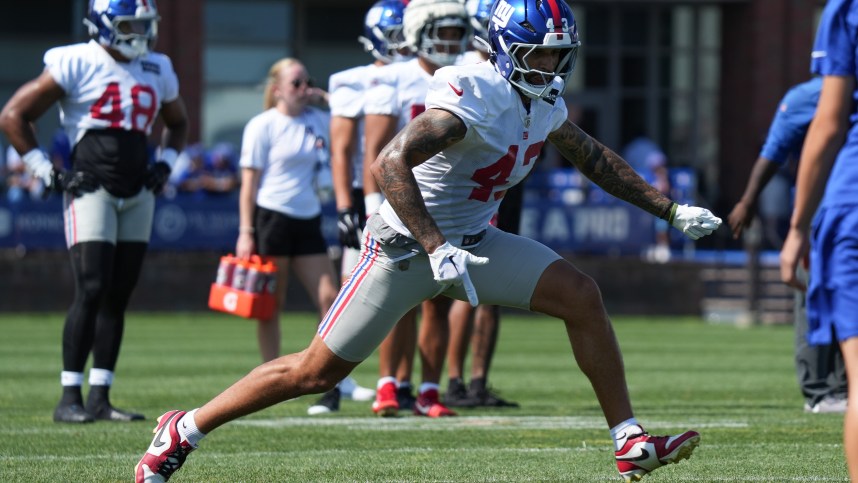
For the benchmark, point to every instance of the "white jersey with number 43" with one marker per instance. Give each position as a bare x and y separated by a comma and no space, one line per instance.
464,184
102,93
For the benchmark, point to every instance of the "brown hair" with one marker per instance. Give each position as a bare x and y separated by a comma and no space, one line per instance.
273,75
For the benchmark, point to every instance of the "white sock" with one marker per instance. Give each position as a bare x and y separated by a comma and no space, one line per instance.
385,380
621,432
100,377
428,386
69,378
188,428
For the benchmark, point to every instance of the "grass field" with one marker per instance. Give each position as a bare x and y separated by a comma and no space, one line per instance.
736,386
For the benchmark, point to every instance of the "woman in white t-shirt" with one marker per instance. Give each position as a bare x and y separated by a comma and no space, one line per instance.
279,208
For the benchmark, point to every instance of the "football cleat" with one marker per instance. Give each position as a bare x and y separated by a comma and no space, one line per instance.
405,397
350,389
487,398
457,395
429,405
72,413
643,453
385,404
167,452
328,403
106,412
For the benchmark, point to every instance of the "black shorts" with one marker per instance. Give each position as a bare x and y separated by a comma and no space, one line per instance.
278,235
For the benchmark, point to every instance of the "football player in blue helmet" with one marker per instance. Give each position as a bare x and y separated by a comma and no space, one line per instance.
518,29
128,26
480,12
382,30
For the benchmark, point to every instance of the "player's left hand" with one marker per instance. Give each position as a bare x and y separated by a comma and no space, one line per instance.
694,221
157,177
450,267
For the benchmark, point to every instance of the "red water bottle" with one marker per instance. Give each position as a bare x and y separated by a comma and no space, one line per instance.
239,275
225,270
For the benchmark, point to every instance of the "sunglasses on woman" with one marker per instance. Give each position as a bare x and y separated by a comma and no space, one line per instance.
299,82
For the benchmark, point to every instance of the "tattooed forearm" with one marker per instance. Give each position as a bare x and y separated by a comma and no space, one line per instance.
421,139
607,169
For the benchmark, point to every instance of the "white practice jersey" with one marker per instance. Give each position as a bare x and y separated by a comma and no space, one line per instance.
346,99
470,57
102,93
464,184
398,90
287,151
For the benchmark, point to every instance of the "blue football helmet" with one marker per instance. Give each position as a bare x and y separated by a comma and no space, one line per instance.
518,28
382,28
128,26
480,12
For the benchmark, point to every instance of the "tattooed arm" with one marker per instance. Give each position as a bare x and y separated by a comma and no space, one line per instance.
608,170
425,136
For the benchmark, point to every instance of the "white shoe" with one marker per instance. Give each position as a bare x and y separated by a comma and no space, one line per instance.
349,389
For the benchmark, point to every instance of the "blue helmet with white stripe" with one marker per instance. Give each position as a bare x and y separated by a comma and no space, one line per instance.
382,29
518,28
127,26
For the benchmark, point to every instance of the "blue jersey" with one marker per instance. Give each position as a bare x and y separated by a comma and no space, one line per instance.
789,126
834,54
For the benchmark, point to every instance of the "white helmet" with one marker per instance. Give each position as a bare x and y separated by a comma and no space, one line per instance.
421,21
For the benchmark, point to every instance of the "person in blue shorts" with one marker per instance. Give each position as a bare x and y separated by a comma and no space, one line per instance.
828,180
819,368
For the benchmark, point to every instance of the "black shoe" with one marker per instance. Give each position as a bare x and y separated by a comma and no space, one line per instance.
457,395
328,403
106,412
72,413
486,398
405,398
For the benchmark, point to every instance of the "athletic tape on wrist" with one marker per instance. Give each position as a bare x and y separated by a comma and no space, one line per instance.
38,164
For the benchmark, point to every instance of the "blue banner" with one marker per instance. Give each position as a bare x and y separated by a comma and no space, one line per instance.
561,210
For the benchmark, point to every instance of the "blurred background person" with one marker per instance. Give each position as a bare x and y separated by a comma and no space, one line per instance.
220,171
109,194
437,32
649,160
820,369
19,183
382,37
824,223
280,214
481,331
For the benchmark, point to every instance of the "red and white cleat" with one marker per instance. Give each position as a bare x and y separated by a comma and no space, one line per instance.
385,404
429,404
644,453
167,452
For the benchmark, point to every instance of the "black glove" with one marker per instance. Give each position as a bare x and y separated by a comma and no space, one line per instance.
157,177
74,182
349,225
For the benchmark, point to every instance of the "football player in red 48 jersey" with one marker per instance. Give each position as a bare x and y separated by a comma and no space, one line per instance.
110,91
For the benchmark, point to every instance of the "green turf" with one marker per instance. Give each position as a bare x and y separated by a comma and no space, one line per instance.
736,386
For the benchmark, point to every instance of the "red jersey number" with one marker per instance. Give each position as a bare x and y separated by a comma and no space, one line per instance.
108,107
497,173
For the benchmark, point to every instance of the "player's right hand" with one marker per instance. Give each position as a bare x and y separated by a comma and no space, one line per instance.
349,227
740,218
450,267
74,182
694,221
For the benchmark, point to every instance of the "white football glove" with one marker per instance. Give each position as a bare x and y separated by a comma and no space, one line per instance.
450,267
694,221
